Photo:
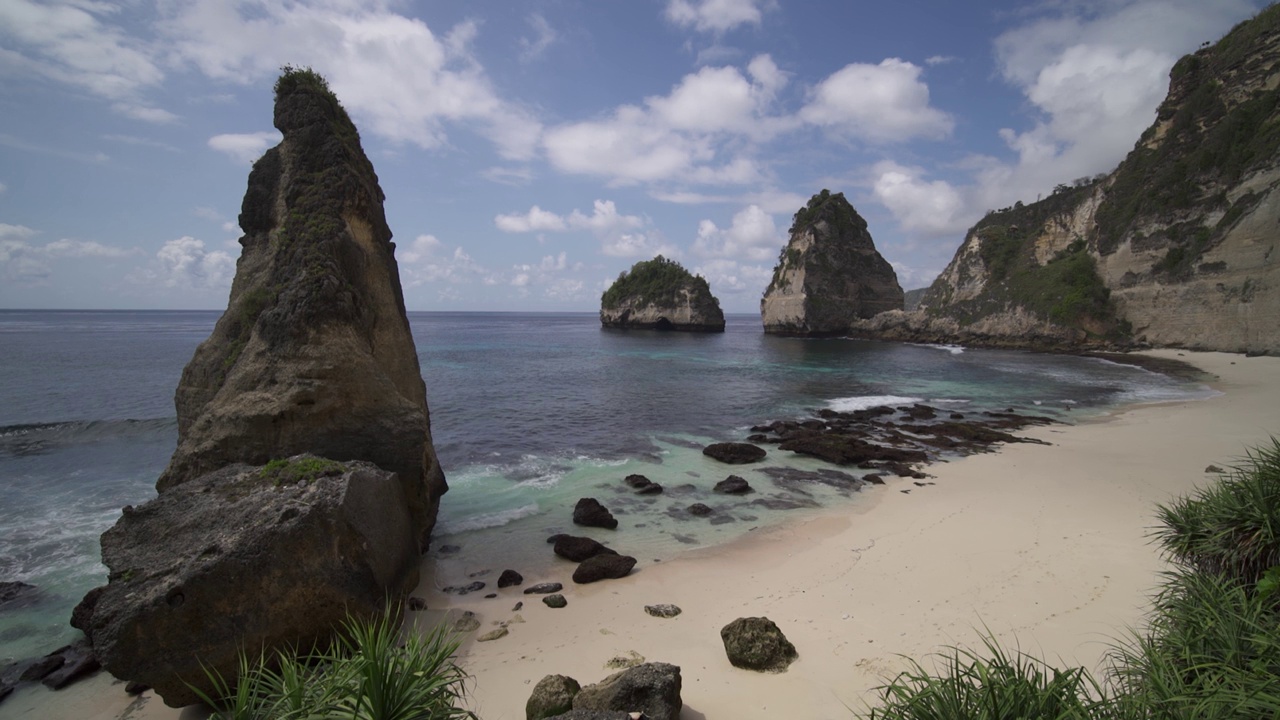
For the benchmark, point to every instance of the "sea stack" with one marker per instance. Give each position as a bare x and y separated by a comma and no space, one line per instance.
829,274
659,294
304,486
314,352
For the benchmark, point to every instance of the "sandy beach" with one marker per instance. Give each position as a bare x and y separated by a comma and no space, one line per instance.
1045,546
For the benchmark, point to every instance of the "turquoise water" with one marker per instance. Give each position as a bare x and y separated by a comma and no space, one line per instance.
529,413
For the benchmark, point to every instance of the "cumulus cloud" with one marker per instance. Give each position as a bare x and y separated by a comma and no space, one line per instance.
400,78
682,135
932,208
877,103
771,200
639,245
731,277
605,222
428,260
184,263
716,16
752,235
244,147
534,220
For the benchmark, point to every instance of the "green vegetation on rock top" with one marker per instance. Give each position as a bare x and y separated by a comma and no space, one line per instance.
825,206
302,470
660,281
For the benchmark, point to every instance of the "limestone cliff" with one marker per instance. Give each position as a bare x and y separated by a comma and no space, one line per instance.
314,352
659,294
1176,247
829,274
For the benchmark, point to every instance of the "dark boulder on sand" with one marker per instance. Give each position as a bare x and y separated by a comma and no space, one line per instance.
578,549
510,578
553,695
735,453
756,643
603,567
650,688
590,513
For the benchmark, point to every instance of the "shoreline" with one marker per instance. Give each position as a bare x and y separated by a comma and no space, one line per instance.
1045,546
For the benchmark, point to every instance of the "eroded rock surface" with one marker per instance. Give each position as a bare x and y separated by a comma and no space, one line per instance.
195,575
651,688
756,643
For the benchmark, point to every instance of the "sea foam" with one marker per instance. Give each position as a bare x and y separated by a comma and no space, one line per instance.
863,402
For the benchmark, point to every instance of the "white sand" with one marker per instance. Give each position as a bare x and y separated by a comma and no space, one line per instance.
1046,547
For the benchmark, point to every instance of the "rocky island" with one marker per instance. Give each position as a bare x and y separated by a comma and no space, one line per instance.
829,274
1175,247
659,294
304,486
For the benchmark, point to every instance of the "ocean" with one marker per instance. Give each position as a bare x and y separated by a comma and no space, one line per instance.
529,412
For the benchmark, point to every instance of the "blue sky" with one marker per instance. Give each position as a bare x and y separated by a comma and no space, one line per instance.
532,150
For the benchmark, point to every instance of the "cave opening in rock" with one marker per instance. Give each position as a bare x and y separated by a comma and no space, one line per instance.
663,324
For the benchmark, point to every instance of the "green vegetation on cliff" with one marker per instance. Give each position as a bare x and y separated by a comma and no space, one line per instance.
1212,137
660,281
1211,648
1066,290
824,206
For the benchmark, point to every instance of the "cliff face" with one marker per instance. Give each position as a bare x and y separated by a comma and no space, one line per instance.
314,352
659,294
1176,247
829,274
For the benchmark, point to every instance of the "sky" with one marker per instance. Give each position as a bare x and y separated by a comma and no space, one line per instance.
531,150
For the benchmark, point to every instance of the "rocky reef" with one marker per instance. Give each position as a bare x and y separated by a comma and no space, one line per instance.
252,545
1176,247
829,274
659,294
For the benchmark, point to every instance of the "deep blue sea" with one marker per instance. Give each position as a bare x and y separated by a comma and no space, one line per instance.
529,412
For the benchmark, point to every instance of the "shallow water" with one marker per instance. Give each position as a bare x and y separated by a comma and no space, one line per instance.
529,413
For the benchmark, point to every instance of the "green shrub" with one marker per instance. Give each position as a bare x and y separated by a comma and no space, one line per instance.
995,685
1211,650
1231,527
302,470
369,673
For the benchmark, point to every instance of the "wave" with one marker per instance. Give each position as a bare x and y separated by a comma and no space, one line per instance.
864,402
36,438
487,520
953,349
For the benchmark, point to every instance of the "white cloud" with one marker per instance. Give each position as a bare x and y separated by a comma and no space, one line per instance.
514,176
27,263
535,219
684,135
771,200
716,16
752,235
184,263
3,187
244,147
84,249
939,60
877,103
604,219
75,43
544,37
638,245
427,260
398,77
731,277
929,208
145,113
